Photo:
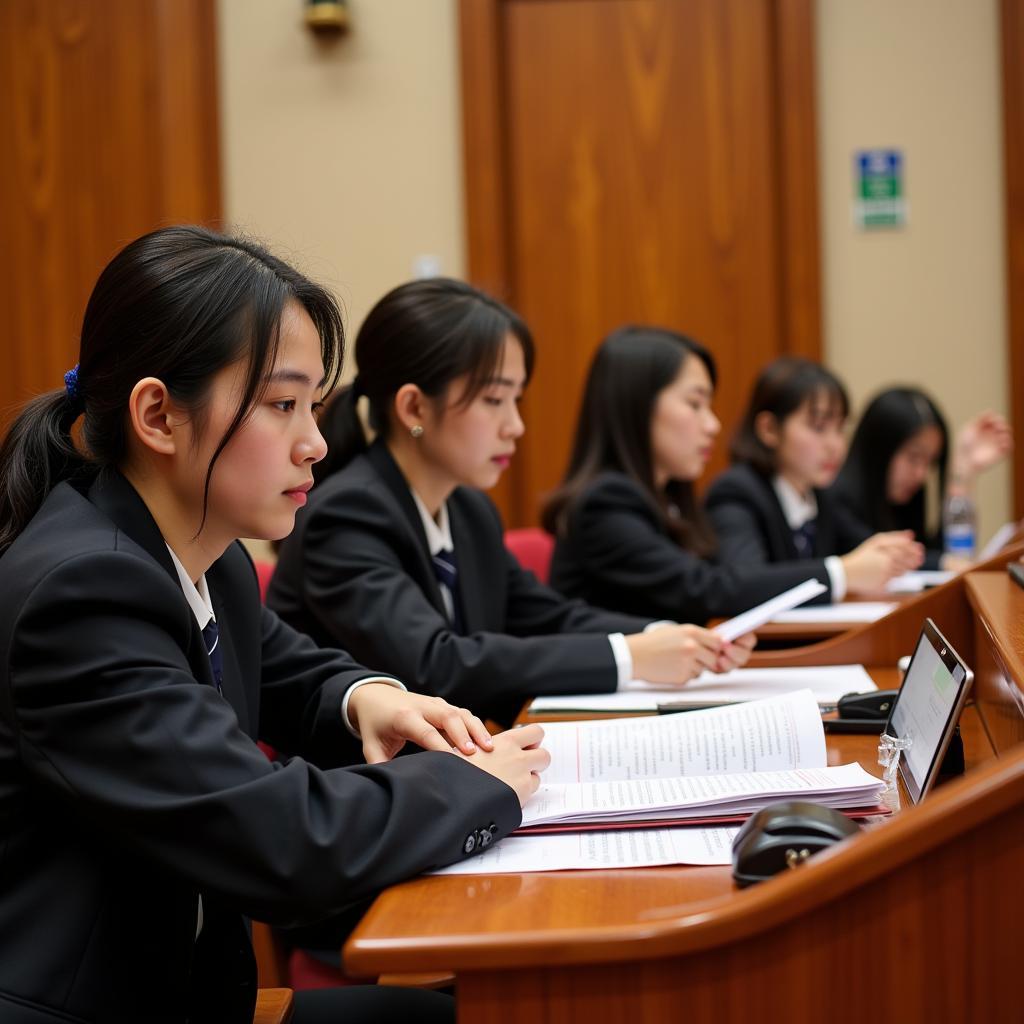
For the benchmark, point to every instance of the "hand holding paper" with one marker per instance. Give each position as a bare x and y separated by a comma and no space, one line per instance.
673,655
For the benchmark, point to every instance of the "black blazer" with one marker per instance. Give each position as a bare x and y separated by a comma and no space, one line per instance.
129,786
615,551
852,518
751,527
357,572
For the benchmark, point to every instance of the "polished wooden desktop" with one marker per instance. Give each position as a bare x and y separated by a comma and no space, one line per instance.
779,634
916,919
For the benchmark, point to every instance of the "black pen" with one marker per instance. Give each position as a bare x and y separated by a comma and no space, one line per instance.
672,709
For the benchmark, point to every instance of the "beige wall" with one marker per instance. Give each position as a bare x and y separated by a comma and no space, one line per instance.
345,153
349,155
925,304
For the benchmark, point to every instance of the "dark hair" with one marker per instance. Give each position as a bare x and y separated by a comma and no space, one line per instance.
178,304
781,388
631,367
428,333
890,419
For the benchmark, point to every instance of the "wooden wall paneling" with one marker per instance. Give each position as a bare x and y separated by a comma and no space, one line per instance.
109,112
1012,68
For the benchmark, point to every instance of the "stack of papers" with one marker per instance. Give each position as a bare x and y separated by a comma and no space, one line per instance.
712,767
642,848
915,582
721,797
844,611
827,682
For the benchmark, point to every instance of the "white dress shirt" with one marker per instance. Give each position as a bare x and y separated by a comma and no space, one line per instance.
439,538
799,509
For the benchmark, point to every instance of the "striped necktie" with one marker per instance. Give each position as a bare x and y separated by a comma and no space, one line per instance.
211,637
447,574
803,538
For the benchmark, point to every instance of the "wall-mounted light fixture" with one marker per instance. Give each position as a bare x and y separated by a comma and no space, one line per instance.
328,16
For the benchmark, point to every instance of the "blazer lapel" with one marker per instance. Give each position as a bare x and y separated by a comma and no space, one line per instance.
470,584
120,502
232,684
781,540
387,469
113,495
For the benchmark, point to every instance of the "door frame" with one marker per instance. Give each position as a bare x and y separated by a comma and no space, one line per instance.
1012,70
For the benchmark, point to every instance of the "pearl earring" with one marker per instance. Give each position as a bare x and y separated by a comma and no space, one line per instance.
416,431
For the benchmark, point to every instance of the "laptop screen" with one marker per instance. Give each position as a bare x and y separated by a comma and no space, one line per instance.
927,708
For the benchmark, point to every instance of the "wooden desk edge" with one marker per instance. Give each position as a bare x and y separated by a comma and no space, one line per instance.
955,809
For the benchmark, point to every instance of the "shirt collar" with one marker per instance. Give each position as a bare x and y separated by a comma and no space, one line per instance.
795,507
439,533
198,597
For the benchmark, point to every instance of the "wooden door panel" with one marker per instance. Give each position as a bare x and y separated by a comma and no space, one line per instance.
631,170
641,189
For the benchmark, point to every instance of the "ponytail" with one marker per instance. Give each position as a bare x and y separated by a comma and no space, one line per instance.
179,304
37,454
342,430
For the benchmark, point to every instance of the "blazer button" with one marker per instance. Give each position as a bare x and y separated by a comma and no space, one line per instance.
486,838
470,844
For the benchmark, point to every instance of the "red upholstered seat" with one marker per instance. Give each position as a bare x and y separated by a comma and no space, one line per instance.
532,548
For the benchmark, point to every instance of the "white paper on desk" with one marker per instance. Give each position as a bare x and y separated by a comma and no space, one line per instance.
827,682
698,796
914,582
998,541
845,611
774,734
739,625
632,848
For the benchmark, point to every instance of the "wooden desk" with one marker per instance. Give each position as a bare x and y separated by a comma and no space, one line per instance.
914,920
779,634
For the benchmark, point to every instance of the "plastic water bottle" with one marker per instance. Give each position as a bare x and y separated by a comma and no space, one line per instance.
959,525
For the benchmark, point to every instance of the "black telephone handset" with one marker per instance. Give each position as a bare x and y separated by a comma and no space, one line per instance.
862,712
783,835
1016,571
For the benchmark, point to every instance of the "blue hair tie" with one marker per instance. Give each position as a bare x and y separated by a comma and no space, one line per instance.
71,383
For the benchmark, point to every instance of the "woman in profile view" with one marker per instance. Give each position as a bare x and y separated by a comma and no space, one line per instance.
629,531
400,555
772,505
140,823
901,462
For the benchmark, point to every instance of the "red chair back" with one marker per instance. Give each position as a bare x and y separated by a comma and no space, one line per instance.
532,548
264,570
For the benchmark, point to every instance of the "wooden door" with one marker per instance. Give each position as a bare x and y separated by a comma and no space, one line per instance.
108,116
640,161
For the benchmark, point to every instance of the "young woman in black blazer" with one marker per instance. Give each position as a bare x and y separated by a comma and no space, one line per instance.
771,504
629,531
140,824
442,367
899,452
